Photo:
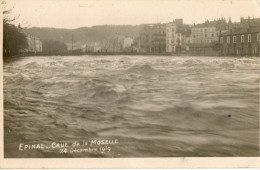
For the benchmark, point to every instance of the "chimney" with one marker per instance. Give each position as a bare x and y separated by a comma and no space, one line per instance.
241,20
229,21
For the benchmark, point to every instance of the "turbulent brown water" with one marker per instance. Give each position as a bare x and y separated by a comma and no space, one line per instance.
154,106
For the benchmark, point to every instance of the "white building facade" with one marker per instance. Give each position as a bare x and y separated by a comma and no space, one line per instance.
128,41
176,33
204,34
34,44
171,38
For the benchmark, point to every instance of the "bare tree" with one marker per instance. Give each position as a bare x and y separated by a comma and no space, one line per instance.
7,9
13,39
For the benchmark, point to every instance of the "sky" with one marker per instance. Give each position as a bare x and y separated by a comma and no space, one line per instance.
86,13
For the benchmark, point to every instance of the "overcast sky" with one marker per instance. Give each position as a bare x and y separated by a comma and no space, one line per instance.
81,13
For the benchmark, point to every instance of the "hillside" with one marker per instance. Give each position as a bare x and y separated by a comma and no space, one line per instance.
84,34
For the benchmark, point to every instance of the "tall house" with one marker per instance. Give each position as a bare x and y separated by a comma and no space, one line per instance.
209,31
204,34
152,38
205,37
171,38
176,35
146,38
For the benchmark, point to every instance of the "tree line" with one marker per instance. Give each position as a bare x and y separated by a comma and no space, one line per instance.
14,40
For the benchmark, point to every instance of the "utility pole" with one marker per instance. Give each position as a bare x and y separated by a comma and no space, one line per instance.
72,39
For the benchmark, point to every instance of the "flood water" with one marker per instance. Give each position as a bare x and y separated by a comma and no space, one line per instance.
154,106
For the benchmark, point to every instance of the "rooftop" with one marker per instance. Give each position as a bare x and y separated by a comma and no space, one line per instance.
242,30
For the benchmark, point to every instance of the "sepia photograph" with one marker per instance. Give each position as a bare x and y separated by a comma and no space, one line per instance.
130,79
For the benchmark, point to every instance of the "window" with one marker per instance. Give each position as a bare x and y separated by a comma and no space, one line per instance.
258,37
249,37
228,40
173,29
212,35
242,38
205,35
221,40
234,39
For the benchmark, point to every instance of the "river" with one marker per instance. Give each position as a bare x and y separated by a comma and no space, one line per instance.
155,106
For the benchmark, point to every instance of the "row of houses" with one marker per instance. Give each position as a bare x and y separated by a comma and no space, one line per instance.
240,41
218,37
211,38
113,44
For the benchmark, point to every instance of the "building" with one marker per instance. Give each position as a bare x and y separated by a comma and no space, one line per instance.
205,37
34,44
113,44
153,38
158,38
204,49
209,31
171,37
136,46
128,44
241,41
146,38
176,34
204,34
92,47
188,41
128,41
